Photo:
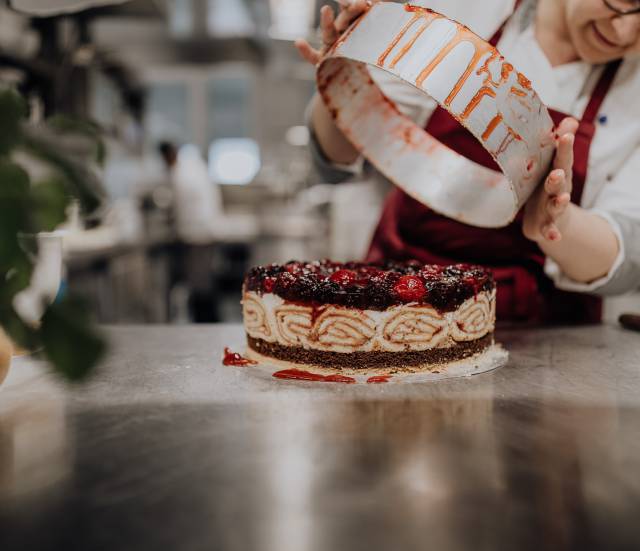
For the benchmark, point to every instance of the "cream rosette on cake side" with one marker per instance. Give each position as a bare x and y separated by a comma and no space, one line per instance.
413,328
475,318
330,328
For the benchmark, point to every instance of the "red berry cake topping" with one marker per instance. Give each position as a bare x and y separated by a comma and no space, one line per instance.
410,288
344,277
371,286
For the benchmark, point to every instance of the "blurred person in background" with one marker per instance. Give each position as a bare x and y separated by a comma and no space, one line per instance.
196,206
578,237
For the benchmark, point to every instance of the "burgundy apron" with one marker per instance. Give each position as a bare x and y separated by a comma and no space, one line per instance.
410,230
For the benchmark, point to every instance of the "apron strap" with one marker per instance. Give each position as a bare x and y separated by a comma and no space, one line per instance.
600,91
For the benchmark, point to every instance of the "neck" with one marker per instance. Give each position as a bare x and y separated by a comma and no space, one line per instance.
552,33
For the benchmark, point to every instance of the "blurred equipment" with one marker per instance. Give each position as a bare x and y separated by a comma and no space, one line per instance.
291,19
48,8
630,321
210,18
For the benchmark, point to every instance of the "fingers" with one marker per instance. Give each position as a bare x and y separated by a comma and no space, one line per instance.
350,11
566,133
564,156
307,52
551,232
328,26
557,196
569,125
331,27
556,183
557,206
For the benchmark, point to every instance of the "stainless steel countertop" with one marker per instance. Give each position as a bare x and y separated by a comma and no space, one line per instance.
167,449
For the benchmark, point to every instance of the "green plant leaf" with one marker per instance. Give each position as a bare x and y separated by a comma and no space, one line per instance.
15,202
49,203
16,279
21,333
67,338
70,343
12,110
81,181
67,124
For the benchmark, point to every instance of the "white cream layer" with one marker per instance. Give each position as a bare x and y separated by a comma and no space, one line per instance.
408,327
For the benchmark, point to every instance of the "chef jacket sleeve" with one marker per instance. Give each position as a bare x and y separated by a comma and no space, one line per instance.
330,172
412,103
619,204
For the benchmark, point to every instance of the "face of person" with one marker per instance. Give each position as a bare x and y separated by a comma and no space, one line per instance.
598,33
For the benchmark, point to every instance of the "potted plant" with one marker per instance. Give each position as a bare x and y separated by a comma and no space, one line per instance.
35,201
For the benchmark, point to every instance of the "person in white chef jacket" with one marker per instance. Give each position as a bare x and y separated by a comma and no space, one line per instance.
583,58
202,225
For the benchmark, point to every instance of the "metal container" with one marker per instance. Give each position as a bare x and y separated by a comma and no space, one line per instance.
466,76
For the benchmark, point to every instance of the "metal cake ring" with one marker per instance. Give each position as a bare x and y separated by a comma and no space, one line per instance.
466,76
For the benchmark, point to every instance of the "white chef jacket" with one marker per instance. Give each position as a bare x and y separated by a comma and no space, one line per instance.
612,189
197,201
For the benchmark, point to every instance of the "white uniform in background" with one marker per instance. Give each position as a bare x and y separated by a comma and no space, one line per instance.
197,200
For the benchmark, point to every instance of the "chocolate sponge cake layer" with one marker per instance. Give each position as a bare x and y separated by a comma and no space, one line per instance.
370,360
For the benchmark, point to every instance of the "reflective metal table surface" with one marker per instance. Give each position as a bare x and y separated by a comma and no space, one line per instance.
167,449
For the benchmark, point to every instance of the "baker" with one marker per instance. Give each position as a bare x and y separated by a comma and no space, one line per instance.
578,237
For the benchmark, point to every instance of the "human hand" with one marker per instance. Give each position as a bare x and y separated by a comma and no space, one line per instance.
548,207
332,26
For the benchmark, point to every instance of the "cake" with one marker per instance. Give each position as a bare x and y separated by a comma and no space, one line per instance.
355,316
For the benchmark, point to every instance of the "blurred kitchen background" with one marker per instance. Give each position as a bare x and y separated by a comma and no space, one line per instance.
215,89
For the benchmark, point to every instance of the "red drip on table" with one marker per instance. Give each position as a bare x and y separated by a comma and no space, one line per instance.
379,379
235,359
299,375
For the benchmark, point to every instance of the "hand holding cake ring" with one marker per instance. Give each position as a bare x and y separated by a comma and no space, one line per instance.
548,205
484,171
332,27
466,76
548,208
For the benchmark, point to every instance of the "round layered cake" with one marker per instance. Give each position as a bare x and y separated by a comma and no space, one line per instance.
354,316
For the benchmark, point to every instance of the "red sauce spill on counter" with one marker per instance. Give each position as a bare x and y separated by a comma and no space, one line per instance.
339,379
299,375
233,358
378,379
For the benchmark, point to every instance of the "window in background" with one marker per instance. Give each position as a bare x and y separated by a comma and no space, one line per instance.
180,16
229,103
167,116
105,100
234,161
228,19
234,157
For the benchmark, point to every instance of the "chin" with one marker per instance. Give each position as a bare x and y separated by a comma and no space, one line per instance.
596,58
589,53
